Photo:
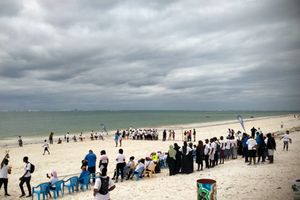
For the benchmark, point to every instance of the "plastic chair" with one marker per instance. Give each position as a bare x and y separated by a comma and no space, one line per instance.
59,187
72,184
139,173
43,189
84,181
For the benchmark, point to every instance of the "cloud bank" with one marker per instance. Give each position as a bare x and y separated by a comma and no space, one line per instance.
114,55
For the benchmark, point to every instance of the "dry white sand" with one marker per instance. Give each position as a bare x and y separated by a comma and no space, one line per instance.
235,180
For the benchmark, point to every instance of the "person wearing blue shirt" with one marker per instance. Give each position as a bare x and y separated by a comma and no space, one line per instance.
91,161
245,146
83,173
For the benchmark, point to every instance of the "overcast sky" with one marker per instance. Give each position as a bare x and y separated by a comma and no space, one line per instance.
158,54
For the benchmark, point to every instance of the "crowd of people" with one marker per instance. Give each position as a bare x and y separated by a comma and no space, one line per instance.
179,159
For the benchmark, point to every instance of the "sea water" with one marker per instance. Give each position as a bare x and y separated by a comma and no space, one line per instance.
36,124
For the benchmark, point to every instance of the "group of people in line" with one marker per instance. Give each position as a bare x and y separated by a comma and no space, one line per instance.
211,152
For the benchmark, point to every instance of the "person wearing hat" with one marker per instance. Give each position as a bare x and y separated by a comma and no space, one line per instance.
103,185
4,171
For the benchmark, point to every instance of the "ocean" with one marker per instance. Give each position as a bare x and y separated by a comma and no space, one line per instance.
36,124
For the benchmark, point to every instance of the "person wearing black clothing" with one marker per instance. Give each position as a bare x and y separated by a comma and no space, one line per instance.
178,158
199,155
164,135
271,146
253,131
190,159
185,159
171,160
51,138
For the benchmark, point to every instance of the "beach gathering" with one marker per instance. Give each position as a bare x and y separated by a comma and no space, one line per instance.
168,100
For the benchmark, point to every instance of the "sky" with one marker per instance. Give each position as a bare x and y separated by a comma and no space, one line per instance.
149,55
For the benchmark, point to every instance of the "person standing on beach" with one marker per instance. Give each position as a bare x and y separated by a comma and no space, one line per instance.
178,158
103,186
286,139
26,178
91,161
4,171
252,145
51,138
116,137
206,153
103,160
67,136
46,147
194,135
121,163
271,146
164,135
20,141
171,160
200,155
253,131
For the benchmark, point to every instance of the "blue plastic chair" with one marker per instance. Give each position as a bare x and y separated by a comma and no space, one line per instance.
59,187
72,184
43,189
84,181
139,173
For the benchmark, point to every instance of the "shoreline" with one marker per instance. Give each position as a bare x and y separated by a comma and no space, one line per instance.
13,142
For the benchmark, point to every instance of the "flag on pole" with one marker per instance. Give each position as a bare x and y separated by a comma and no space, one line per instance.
241,120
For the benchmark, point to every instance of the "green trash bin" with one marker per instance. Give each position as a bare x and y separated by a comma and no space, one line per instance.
207,189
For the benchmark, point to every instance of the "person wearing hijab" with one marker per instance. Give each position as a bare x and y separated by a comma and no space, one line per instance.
185,165
200,155
53,179
171,160
178,158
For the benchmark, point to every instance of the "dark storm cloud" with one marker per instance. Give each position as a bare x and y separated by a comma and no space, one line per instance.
149,54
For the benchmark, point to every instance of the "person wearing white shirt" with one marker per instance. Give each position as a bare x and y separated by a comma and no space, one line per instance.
222,150
26,178
4,171
206,153
251,150
286,139
120,165
46,147
103,186
213,148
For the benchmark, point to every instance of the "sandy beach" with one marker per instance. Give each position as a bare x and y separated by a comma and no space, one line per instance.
235,180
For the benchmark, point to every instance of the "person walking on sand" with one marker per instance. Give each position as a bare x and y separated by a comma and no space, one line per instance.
286,139
46,147
4,171
103,186
26,178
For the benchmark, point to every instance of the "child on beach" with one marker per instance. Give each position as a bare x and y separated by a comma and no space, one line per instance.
286,139
46,147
